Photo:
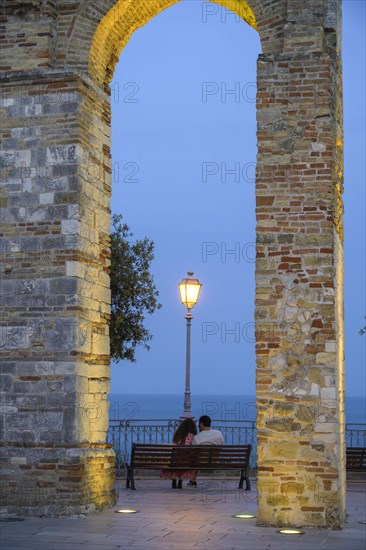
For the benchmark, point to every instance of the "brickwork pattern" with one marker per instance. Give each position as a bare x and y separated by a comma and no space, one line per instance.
58,59
57,480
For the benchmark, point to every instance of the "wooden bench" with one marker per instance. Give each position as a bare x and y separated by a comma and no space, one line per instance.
189,457
356,458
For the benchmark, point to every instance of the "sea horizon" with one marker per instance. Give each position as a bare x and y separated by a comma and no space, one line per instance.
230,407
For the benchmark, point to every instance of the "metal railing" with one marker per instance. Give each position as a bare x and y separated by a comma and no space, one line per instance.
356,435
122,433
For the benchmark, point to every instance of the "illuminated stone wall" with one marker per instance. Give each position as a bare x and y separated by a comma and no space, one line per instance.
299,275
58,60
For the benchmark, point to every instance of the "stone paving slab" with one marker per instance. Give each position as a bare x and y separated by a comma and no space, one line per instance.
188,519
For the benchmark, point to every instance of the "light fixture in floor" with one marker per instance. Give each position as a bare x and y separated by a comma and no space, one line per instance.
290,532
244,516
126,511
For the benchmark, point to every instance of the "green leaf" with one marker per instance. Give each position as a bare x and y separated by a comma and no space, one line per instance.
134,294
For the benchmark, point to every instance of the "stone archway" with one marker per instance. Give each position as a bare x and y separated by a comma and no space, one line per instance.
56,166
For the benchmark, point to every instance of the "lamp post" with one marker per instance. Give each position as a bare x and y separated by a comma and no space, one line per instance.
189,290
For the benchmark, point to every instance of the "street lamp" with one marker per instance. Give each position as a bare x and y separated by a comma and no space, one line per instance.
189,290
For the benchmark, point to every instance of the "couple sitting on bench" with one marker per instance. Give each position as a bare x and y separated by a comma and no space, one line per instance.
186,434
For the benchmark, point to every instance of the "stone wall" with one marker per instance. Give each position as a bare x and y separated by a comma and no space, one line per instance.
58,61
55,287
299,274
57,480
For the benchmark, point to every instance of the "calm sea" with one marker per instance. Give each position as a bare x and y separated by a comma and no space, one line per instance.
220,407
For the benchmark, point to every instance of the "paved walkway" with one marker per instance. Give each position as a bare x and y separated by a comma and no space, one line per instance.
197,519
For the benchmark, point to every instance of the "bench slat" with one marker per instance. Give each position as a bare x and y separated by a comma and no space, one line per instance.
189,457
356,458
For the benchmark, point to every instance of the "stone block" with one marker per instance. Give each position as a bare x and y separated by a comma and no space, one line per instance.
70,227
6,287
284,425
46,198
285,449
328,393
15,337
101,345
98,386
331,347
63,285
18,460
330,428
6,383
268,116
70,383
62,335
61,154
325,358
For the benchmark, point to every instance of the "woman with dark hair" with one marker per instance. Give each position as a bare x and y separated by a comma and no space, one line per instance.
183,435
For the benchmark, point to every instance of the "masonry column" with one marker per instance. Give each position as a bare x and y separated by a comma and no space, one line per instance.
55,296
299,274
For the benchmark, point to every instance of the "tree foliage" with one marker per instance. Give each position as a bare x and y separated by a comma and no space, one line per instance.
134,294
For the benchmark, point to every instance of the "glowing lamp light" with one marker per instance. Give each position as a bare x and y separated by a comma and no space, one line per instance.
126,511
244,516
290,532
189,290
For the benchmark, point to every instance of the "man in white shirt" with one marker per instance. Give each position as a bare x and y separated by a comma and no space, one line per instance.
206,436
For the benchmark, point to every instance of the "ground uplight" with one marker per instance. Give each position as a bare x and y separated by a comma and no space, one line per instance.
290,532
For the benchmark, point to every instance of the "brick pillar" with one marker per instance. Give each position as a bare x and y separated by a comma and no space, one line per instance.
299,276
55,295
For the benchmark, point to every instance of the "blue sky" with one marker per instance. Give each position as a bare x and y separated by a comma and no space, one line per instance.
184,152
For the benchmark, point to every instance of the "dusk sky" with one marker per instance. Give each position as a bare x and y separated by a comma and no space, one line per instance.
177,132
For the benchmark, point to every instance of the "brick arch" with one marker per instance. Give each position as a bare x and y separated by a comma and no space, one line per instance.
55,157
107,26
116,28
